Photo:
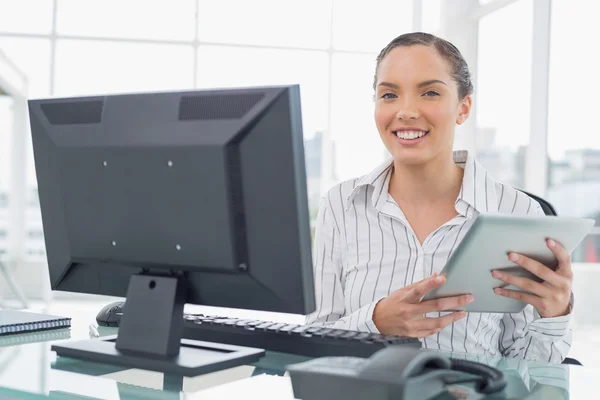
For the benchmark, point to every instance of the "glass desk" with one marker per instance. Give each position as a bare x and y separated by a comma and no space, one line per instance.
29,370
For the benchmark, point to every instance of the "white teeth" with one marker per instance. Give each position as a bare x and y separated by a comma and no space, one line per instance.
410,134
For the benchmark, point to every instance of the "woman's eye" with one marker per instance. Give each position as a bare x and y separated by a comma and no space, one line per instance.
388,96
431,93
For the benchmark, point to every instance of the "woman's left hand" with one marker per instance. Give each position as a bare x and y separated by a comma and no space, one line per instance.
551,298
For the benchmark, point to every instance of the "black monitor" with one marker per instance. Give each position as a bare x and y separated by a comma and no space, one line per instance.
171,198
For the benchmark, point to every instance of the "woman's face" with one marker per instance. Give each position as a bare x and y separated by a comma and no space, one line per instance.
417,105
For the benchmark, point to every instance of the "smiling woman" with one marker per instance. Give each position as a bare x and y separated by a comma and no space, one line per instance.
381,239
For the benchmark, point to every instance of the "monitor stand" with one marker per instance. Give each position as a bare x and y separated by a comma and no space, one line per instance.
150,335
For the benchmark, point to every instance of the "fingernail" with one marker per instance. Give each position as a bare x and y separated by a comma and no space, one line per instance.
551,243
498,291
497,274
462,314
513,257
470,299
439,279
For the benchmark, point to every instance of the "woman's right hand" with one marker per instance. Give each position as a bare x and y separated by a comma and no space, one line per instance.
402,313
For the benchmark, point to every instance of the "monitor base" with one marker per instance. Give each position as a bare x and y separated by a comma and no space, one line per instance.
195,357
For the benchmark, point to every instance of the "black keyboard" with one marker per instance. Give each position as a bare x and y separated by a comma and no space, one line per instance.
305,340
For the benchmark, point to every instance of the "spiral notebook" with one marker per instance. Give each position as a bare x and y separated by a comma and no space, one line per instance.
13,321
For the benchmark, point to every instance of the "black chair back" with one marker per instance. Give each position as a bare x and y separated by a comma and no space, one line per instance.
546,206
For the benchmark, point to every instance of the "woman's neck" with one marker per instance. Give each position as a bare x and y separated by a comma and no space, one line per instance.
436,181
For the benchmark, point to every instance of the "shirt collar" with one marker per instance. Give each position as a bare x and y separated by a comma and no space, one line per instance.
477,193
379,179
478,190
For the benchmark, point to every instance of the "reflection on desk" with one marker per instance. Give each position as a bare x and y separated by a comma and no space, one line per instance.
34,337
121,391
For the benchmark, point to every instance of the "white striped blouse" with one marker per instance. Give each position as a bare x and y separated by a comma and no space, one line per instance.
365,249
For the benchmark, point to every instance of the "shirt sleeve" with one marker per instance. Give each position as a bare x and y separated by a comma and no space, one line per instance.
329,288
527,335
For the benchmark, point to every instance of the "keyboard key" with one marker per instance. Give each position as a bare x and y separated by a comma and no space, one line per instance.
312,329
349,335
301,329
288,328
336,333
362,336
322,332
265,325
275,327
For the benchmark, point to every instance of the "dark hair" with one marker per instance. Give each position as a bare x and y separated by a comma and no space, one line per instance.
459,69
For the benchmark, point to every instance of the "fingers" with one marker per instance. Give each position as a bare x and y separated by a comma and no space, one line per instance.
447,303
427,325
421,288
523,283
554,278
535,267
539,270
563,257
522,296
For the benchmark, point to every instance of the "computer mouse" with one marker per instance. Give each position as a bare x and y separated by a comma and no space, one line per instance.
110,315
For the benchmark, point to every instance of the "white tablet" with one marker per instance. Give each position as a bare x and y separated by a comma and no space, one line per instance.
486,246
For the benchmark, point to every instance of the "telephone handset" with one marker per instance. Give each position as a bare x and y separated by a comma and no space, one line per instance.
396,372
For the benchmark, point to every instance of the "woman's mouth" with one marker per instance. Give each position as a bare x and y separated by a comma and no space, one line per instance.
410,135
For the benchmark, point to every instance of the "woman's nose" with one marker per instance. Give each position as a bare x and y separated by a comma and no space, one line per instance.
407,111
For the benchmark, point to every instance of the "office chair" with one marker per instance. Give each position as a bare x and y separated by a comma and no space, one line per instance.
549,210
546,206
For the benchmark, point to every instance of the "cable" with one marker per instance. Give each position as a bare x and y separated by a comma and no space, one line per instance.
489,380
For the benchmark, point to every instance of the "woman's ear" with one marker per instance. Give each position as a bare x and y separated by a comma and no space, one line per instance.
464,109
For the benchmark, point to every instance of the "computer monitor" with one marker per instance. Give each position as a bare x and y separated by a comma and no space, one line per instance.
171,198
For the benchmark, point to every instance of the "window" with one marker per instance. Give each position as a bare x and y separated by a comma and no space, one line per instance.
573,143
432,15
503,91
368,26
84,67
303,24
131,19
32,57
35,234
6,132
17,16
358,147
